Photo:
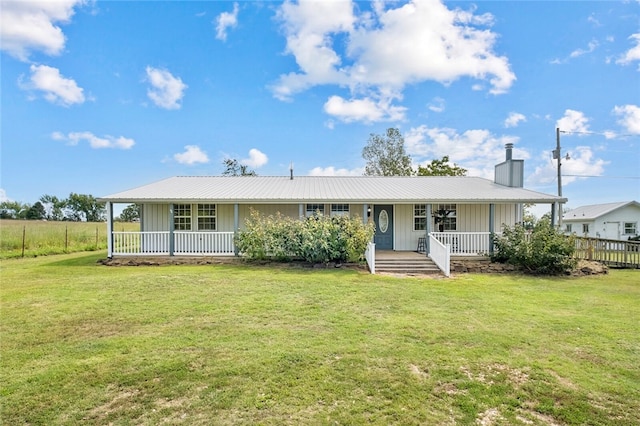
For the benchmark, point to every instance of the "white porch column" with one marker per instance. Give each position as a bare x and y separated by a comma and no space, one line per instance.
365,210
301,210
492,219
109,229
171,229
236,226
427,227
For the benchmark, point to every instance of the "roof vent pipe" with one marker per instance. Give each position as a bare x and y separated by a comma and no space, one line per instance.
509,148
291,171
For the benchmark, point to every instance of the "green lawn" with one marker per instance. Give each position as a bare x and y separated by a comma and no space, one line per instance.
225,344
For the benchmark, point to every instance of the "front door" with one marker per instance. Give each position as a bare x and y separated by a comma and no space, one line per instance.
383,218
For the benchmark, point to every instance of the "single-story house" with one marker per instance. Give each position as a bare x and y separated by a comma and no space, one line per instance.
610,221
199,215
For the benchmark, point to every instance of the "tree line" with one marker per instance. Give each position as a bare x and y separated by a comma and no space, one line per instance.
75,208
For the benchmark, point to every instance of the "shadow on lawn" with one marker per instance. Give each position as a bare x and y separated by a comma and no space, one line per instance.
85,259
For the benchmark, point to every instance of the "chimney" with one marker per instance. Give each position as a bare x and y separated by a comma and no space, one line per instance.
509,148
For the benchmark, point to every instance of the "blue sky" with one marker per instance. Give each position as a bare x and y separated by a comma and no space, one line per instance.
99,97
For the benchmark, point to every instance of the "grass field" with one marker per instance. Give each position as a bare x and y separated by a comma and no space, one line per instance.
235,344
44,238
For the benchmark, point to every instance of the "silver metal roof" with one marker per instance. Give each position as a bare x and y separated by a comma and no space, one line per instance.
311,189
594,211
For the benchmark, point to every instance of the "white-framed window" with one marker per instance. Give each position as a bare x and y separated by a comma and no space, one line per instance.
340,210
448,221
631,227
568,227
182,217
206,217
585,228
419,217
315,209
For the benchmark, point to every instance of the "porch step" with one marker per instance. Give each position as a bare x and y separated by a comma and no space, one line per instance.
419,266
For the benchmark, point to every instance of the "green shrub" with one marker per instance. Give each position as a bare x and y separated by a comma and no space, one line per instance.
316,239
543,250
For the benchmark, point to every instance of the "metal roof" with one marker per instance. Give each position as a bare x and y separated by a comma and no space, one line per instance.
310,189
594,211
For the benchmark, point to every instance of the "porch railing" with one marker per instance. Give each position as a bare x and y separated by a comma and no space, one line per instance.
465,243
370,256
440,254
157,243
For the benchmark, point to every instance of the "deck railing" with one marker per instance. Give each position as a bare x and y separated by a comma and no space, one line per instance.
370,256
465,243
610,252
440,254
157,243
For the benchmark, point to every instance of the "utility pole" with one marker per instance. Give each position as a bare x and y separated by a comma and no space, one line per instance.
558,156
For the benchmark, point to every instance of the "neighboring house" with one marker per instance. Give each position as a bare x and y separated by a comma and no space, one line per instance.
189,215
611,221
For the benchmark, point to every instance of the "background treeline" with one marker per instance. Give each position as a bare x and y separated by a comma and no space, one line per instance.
75,208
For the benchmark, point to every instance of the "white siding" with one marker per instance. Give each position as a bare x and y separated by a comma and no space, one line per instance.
155,217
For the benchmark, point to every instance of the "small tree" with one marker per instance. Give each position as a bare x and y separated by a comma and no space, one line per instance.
82,206
234,168
543,251
36,212
441,168
130,213
386,156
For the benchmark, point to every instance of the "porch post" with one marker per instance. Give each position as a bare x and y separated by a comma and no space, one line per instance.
300,211
109,229
427,228
236,226
171,229
492,219
365,219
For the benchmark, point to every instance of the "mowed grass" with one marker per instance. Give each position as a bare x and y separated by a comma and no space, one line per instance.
236,344
40,238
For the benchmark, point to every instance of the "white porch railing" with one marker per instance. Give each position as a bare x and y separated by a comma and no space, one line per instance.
203,243
370,255
157,243
440,254
465,243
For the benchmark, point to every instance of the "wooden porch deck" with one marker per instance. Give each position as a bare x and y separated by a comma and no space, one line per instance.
405,263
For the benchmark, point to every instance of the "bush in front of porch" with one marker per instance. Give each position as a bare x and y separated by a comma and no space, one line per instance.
316,239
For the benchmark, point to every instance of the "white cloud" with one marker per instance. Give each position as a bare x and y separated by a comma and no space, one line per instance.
74,138
31,25
226,20
630,118
632,54
385,50
256,159
192,154
3,196
366,110
573,122
166,90
332,171
437,105
580,163
591,46
57,89
514,119
477,150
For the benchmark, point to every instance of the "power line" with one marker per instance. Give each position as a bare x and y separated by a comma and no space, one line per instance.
605,134
604,177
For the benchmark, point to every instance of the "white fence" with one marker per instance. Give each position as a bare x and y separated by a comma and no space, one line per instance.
440,254
370,255
158,243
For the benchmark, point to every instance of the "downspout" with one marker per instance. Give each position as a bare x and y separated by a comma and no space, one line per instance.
171,229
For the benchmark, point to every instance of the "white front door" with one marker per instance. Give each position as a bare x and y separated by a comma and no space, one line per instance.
612,230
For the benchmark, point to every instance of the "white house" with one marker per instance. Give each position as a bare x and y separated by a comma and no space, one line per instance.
199,215
611,221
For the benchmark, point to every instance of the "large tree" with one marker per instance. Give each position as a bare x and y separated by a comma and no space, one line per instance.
441,168
386,156
234,168
53,206
130,213
85,207
37,212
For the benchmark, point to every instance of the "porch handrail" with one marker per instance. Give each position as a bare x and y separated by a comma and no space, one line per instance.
440,254
156,243
370,256
148,243
203,243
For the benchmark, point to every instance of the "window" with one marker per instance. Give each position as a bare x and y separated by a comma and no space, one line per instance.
445,217
631,228
568,228
340,210
585,228
315,209
206,217
419,217
182,217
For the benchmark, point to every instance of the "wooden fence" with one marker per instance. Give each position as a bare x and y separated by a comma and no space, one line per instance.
610,252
